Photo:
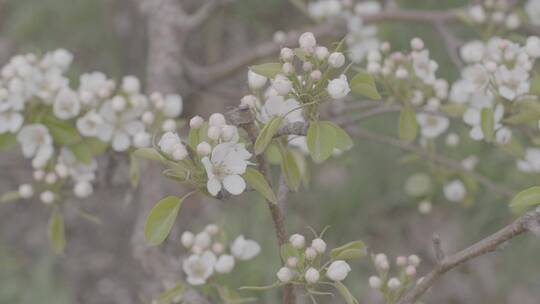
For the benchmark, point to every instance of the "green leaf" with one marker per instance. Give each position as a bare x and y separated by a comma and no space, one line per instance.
57,239
453,109
269,70
363,84
355,249
256,180
345,293
408,127
7,141
487,124
150,154
82,152
196,136
343,140
10,196
321,140
262,288
134,171
172,295
62,131
351,254
267,134
289,167
525,200
161,219
95,145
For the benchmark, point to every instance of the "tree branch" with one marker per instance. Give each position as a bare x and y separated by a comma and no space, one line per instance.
528,222
202,14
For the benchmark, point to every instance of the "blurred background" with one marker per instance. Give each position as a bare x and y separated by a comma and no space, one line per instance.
360,195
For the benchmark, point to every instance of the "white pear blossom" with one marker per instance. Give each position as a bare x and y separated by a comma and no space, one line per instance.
338,88
338,270
66,104
361,38
173,105
312,275
10,121
285,275
431,125
224,264
279,106
119,128
455,191
36,142
472,117
26,191
298,241
225,167
83,189
89,124
512,83
324,9
131,85
531,161
187,239
244,249
472,51
199,268
282,84
307,40
255,80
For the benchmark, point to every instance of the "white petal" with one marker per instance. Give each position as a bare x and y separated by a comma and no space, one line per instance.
213,185
120,141
235,184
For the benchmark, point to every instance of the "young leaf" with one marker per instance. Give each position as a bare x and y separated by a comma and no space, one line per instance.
350,254
321,140
197,136
345,293
134,171
62,131
525,200
7,141
257,181
149,153
57,239
82,152
261,288
363,84
487,123
289,167
172,295
161,219
408,127
354,246
343,140
267,134
269,70
10,196
453,109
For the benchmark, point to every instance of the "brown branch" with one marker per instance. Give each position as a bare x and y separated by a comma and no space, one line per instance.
525,223
452,43
243,117
197,18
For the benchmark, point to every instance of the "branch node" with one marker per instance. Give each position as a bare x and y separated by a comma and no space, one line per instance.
437,247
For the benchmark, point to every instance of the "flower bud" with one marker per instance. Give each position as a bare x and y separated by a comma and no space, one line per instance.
417,44
394,283
401,73
50,178
47,197
249,100
401,261
168,125
285,275
196,122
179,152
336,60
319,245
307,40
315,75
312,276
26,191
410,271
204,148
292,262
217,120
310,253
287,68
218,248
425,207
214,132
39,175
321,52
228,132
375,282
414,260
224,264
118,103
307,66
298,241
61,170
187,239
83,189
131,85
202,240
282,84
286,54
338,271
142,140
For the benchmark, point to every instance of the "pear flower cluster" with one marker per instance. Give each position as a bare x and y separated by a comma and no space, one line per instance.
494,14
392,287
305,263
411,78
210,254
61,128
217,152
498,72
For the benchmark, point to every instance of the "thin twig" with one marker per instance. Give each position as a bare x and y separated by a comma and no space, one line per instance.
486,245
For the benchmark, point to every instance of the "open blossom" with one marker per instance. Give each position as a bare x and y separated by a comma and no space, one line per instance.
472,117
255,80
66,104
10,121
244,249
225,167
282,84
119,128
431,125
338,88
224,264
455,191
361,38
36,142
199,268
424,67
512,83
323,9
89,124
531,161
278,106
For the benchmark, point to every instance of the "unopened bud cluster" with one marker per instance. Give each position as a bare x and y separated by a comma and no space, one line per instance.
393,284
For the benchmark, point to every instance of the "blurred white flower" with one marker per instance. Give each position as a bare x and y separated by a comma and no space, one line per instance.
285,275
338,270
89,124
66,104
199,268
244,249
36,142
431,125
531,162
224,264
338,88
256,81
225,168
278,106
119,128
455,191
